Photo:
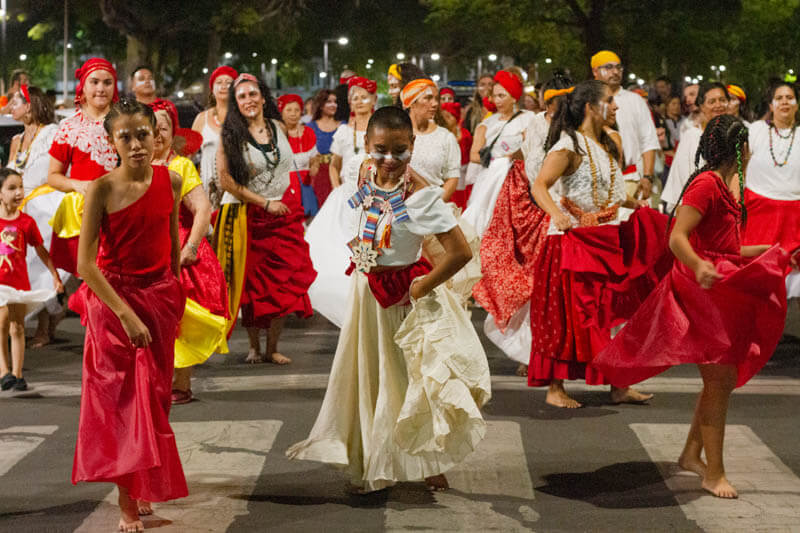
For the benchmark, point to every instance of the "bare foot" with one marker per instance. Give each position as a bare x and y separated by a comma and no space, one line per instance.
522,371
145,508
253,357
437,483
129,515
720,488
558,397
692,464
628,395
280,359
39,341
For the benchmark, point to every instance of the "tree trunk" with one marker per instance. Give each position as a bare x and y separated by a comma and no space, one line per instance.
212,56
136,54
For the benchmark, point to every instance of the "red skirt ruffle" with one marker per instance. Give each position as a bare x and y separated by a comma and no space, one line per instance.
390,287
124,436
514,238
584,283
279,269
738,321
771,221
460,198
64,253
321,183
203,281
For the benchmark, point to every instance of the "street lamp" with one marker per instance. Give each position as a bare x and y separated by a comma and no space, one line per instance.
435,56
273,61
722,68
23,57
255,54
342,42
548,60
400,56
228,55
492,57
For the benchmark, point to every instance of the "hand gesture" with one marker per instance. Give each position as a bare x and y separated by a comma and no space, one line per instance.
706,274
417,291
188,255
136,330
562,222
277,208
57,285
645,188
80,186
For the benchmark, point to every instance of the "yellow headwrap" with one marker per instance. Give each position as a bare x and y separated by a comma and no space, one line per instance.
549,94
414,89
394,71
603,57
738,92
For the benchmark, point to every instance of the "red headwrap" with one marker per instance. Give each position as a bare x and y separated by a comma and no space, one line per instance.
165,105
287,99
193,139
95,63
510,83
447,90
489,105
224,70
454,108
358,81
25,94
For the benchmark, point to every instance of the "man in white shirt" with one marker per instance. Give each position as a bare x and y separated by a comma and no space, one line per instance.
636,127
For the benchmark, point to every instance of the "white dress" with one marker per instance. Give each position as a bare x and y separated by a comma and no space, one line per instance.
407,382
41,206
489,181
682,165
329,232
208,162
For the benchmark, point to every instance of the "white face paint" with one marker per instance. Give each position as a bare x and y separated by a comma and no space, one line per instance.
143,128
366,100
146,83
377,156
605,110
776,103
120,132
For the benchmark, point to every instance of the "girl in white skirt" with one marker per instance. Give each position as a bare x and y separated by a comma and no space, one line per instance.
409,376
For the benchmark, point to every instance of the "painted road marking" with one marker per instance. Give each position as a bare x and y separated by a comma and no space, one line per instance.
222,461
497,468
18,441
769,492
770,386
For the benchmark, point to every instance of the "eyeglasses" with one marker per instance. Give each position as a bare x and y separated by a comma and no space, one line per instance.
612,66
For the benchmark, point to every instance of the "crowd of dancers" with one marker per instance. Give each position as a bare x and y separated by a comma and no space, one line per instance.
393,223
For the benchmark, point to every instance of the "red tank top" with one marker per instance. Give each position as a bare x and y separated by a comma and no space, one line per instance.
136,239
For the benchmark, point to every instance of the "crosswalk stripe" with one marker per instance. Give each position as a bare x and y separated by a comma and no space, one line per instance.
497,468
222,461
18,441
769,492
771,386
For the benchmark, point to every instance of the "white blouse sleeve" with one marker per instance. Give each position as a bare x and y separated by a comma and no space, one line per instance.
453,160
564,143
339,141
428,214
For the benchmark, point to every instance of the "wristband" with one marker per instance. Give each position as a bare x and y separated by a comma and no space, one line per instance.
193,247
650,177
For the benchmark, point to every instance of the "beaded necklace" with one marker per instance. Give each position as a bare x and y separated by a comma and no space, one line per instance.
22,157
594,171
376,204
788,151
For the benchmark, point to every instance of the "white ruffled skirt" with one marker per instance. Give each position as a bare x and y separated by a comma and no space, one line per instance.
405,391
10,295
488,183
515,341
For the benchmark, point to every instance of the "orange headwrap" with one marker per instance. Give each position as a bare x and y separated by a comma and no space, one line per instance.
394,71
416,88
738,92
549,94
603,57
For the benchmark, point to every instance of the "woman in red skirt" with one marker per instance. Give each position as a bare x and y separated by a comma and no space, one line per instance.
721,307
259,232
131,304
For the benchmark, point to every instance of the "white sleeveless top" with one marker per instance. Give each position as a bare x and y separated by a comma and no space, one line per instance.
208,156
577,187
36,167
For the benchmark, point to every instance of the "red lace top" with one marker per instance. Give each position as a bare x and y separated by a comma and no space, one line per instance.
82,146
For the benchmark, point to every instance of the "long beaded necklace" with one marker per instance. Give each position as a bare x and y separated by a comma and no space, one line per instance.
788,150
356,148
594,171
22,157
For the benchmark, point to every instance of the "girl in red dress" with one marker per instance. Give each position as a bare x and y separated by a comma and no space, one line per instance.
79,154
131,304
17,232
704,311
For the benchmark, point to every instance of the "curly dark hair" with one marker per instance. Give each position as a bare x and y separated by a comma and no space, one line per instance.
128,105
571,112
722,143
236,135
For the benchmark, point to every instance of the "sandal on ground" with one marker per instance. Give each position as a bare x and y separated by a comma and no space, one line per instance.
180,397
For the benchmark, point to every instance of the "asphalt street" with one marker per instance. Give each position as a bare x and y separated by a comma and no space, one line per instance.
601,468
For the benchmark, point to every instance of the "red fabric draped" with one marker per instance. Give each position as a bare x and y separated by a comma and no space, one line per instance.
203,281
390,287
322,183
513,239
738,321
124,435
279,269
771,221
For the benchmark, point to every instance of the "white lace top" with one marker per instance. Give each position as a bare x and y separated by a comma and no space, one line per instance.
533,147
266,181
342,146
428,215
437,156
577,187
34,171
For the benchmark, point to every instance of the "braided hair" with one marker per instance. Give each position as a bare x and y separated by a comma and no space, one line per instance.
723,142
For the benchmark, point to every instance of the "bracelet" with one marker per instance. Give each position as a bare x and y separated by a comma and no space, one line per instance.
193,247
650,177
266,206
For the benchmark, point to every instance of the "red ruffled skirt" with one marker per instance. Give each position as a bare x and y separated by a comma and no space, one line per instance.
771,221
585,282
279,269
516,236
738,321
203,281
461,197
124,436
64,253
321,183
